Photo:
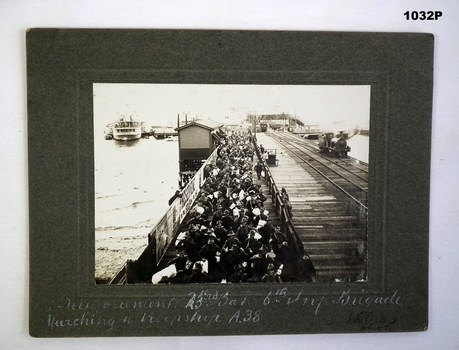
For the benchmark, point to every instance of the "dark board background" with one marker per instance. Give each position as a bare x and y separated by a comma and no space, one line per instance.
62,65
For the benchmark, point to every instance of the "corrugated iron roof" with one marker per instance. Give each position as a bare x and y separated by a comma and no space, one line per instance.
207,124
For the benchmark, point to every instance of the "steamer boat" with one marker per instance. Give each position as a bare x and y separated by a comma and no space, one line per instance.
126,129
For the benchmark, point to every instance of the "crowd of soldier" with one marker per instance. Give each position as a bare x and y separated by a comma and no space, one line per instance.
230,236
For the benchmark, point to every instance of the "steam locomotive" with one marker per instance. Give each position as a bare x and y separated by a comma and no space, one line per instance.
335,145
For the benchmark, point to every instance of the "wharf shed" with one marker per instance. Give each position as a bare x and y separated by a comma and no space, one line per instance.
197,141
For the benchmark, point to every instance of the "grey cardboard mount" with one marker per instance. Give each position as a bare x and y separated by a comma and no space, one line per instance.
62,65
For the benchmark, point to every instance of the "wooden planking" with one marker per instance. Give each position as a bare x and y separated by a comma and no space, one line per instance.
330,235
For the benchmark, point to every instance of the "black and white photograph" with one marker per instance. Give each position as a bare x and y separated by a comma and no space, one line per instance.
229,175
207,183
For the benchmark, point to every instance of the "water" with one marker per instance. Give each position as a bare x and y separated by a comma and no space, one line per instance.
359,147
133,183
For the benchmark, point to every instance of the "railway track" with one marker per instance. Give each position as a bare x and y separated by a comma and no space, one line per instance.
329,199
348,175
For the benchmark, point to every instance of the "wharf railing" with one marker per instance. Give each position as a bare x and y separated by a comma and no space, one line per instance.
281,209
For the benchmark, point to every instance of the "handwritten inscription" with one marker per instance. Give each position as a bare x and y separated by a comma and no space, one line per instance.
70,304
280,296
245,316
372,321
211,307
207,298
196,317
85,320
346,298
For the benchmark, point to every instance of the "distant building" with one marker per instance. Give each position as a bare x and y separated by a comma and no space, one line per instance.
280,121
311,128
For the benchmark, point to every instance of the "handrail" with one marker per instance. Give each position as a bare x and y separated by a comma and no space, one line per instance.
177,211
282,212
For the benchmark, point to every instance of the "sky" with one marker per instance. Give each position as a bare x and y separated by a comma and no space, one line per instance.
160,104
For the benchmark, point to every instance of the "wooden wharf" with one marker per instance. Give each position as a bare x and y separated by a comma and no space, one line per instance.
333,236
322,224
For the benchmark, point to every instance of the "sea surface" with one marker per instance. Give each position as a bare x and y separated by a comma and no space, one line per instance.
360,147
133,183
